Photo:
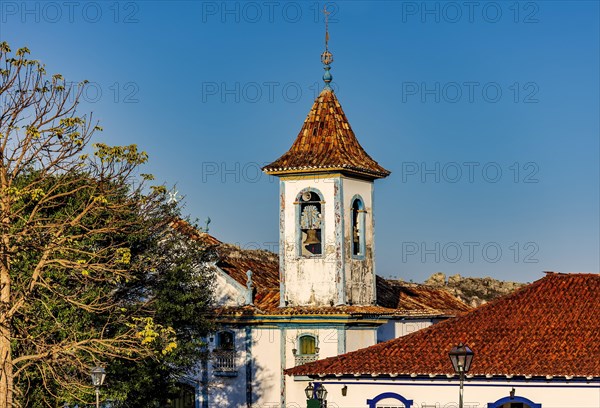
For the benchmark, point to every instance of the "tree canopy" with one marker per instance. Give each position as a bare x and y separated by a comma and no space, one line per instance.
91,272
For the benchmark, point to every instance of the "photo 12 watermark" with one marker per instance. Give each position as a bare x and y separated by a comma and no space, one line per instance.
470,172
454,12
234,172
252,12
469,251
259,92
120,92
52,12
470,92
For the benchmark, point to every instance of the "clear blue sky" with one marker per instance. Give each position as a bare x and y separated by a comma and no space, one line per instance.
444,94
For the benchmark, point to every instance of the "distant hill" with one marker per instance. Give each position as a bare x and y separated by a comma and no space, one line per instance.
473,291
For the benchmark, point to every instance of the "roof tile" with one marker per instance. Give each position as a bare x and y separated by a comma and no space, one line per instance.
326,143
550,327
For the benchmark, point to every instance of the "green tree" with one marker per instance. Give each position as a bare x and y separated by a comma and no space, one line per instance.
180,289
70,221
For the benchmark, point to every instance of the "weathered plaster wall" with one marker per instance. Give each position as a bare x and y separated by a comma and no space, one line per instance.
360,338
335,277
309,281
359,270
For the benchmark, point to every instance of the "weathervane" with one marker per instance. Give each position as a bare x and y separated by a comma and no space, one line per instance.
327,57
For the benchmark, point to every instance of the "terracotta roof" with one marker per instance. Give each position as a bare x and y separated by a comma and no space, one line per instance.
548,328
326,143
188,230
394,298
263,264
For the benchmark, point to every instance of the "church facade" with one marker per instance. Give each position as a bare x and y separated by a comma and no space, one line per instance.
320,296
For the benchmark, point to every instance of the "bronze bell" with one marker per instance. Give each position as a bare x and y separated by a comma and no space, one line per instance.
311,237
356,237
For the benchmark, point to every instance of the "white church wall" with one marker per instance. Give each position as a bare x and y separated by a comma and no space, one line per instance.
336,276
359,270
266,374
444,393
308,281
227,390
404,327
360,338
227,291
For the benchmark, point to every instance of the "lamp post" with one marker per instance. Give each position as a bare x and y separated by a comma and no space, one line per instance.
316,396
98,375
461,357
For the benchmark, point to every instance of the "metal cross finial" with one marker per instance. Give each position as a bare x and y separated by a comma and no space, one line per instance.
327,57
327,13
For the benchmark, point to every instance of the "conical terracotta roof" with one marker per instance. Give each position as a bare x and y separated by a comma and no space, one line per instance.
326,143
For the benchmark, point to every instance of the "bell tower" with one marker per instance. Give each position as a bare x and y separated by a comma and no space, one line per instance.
326,218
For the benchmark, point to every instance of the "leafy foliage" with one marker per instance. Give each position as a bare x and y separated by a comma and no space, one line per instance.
90,268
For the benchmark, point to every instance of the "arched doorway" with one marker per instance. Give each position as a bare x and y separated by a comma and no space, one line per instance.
397,399
514,402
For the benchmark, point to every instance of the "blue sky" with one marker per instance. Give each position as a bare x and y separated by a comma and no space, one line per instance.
486,113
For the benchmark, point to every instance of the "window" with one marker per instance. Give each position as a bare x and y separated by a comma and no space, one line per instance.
225,340
311,223
307,350
307,344
358,227
224,361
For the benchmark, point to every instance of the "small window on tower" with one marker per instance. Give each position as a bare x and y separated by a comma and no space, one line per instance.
311,222
358,227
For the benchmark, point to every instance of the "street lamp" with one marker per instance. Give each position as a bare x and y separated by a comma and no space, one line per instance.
321,394
98,375
316,396
461,357
309,391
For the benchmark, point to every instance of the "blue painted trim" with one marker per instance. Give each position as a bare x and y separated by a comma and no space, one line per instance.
282,248
249,376
204,381
340,272
362,227
373,402
297,224
198,393
283,362
504,400
341,332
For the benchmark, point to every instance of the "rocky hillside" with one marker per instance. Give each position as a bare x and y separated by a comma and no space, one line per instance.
473,291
